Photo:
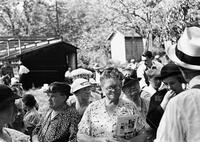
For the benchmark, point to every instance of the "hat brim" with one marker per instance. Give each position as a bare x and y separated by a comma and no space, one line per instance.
80,87
171,52
48,91
168,75
97,68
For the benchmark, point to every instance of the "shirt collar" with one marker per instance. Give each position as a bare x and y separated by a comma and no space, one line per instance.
194,81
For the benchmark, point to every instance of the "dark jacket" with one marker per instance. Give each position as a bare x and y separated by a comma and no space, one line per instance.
155,111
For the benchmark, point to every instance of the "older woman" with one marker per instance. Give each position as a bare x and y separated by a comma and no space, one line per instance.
101,118
7,115
60,124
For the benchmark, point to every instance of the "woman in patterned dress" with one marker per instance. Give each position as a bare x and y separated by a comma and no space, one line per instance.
100,120
60,124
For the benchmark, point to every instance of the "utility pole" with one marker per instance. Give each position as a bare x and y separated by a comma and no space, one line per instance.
57,20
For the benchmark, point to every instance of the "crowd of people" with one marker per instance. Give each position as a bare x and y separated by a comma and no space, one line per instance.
144,102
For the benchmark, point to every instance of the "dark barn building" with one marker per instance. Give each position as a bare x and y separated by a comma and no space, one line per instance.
48,62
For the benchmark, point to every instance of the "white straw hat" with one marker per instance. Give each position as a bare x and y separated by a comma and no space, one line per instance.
79,83
186,52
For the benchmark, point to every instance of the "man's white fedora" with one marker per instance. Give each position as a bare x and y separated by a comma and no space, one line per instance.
186,52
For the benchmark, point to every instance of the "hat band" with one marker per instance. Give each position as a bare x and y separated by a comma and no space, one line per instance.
186,58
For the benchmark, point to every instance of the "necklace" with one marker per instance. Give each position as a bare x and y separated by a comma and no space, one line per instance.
111,110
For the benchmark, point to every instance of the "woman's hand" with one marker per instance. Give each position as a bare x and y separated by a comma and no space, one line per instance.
166,98
35,138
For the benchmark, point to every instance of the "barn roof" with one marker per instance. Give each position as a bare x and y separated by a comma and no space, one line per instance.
32,47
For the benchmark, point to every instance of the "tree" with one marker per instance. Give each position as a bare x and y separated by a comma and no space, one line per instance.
9,17
87,24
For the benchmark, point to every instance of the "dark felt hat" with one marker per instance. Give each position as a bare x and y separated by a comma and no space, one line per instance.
6,95
148,54
59,87
168,70
131,78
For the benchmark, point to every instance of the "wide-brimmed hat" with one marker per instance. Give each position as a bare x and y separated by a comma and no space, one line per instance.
6,95
168,70
130,79
59,87
186,53
79,83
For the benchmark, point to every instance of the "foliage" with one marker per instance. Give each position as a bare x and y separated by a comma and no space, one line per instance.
87,24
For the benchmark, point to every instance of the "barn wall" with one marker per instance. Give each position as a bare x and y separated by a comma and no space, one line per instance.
49,64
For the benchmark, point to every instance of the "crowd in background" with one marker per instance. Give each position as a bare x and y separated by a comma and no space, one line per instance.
88,106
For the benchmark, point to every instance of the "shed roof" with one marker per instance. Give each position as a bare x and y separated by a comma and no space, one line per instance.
126,33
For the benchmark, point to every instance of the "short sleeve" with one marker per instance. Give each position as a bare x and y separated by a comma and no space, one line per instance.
85,123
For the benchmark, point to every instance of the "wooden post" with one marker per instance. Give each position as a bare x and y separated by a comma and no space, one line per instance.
8,48
20,49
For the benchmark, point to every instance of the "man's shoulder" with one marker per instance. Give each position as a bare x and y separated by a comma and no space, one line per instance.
184,98
188,93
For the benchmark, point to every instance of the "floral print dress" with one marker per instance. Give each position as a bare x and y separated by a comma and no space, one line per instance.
15,136
62,128
98,122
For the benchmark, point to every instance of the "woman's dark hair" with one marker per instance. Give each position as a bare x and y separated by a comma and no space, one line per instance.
180,78
29,100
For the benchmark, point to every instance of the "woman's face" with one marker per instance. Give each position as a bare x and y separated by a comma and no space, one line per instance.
9,113
173,84
56,100
83,96
111,88
155,83
132,90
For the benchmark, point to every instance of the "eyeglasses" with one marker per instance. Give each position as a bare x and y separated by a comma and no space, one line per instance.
113,88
